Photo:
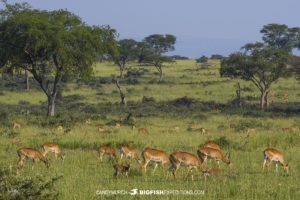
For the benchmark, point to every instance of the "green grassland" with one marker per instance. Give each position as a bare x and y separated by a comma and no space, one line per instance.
203,89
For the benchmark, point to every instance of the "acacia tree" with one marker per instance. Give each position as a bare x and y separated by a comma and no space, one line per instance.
127,51
154,46
259,64
51,45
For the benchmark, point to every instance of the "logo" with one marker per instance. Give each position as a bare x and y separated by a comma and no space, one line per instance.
133,192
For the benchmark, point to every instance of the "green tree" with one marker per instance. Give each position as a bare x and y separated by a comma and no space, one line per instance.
202,59
51,45
281,36
153,49
128,51
259,64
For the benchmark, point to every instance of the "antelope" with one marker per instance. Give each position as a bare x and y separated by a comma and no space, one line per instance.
202,131
28,153
212,145
143,131
184,158
16,125
111,151
59,128
271,154
118,125
176,128
128,151
211,172
154,155
101,129
88,121
251,130
191,127
216,154
50,147
120,169
289,129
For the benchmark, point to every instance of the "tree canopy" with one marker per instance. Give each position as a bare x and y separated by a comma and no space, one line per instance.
50,45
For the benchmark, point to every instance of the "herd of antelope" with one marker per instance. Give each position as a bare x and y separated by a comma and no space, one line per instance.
174,160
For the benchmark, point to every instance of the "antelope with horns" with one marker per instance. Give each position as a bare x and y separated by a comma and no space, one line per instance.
28,153
184,158
271,154
154,155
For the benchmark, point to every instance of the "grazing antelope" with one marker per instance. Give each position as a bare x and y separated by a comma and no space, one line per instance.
16,125
88,121
176,128
216,154
28,153
184,158
120,169
101,129
128,151
202,131
251,130
212,145
154,155
50,147
111,151
143,131
271,154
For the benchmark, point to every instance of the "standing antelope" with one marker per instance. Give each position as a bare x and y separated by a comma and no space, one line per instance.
154,155
212,145
129,151
271,154
50,147
216,154
184,158
202,131
28,153
111,151
120,169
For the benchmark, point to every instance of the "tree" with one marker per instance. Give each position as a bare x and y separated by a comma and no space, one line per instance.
51,45
281,36
152,49
216,56
259,64
202,59
128,51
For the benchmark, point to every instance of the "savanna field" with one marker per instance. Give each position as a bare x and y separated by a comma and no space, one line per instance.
188,95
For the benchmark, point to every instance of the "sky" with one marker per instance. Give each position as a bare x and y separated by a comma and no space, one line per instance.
202,27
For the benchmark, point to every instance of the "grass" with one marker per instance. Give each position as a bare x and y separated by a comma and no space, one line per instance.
83,174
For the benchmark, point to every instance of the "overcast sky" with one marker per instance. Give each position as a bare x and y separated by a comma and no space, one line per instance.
202,27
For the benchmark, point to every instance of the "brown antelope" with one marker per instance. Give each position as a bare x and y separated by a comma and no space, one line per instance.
111,151
289,129
271,154
16,125
211,172
154,155
28,153
117,125
120,169
59,128
50,147
176,128
143,131
88,121
128,151
212,145
216,154
202,131
184,158
101,129
251,130
191,127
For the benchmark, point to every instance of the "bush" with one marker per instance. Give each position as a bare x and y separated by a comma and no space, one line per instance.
14,188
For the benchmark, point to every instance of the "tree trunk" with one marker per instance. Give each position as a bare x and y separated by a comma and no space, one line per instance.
27,80
51,105
264,99
238,94
121,72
